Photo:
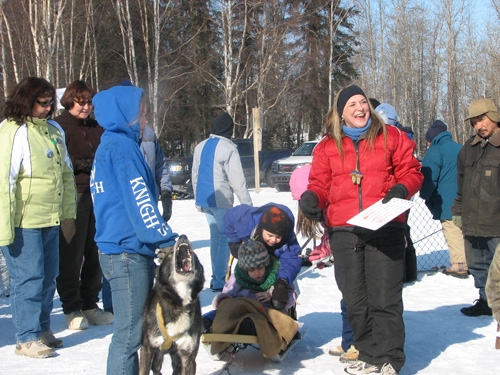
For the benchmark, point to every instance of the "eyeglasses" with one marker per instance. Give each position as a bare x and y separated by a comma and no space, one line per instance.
83,102
46,103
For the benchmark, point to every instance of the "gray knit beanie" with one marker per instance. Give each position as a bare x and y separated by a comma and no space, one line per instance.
252,255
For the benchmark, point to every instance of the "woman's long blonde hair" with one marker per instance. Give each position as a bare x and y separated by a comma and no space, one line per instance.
334,125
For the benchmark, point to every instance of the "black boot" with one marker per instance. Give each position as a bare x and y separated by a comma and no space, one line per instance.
247,327
479,308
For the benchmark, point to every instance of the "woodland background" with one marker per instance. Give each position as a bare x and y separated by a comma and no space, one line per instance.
429,59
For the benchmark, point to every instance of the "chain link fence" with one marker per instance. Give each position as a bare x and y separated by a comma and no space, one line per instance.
427,235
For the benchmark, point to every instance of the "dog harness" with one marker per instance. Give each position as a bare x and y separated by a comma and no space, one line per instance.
168,340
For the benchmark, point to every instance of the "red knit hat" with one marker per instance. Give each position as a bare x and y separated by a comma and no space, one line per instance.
276,221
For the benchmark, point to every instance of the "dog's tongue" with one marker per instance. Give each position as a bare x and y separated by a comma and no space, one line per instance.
186,265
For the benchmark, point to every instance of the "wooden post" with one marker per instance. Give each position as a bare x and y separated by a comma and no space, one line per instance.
257,144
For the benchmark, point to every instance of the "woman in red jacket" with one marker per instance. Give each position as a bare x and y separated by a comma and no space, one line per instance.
359,162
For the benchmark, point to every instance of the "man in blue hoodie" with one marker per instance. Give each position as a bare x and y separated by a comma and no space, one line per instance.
129,226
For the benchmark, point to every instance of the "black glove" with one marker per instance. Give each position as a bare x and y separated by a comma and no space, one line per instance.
234,246
308,204
166,202
397,191
280,294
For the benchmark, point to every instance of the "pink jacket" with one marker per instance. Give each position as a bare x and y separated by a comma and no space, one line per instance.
299,180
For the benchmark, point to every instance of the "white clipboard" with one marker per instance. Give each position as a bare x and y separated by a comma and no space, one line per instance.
379,214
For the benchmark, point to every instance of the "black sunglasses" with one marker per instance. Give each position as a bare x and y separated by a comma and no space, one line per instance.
83,102
45,103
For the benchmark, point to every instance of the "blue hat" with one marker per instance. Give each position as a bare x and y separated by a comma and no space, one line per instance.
388,113
436,128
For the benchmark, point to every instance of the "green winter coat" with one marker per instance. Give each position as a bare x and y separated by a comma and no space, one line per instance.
37,186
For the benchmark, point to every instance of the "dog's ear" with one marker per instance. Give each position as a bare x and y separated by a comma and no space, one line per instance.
164,270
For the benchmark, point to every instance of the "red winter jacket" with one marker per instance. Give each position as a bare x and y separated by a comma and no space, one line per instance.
381,167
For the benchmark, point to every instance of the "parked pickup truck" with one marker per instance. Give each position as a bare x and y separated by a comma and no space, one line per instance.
180,168
282,169
266,158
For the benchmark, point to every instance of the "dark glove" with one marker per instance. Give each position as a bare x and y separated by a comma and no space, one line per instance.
162,253
308,204
234,246
280,294
83,165
166,202
397,191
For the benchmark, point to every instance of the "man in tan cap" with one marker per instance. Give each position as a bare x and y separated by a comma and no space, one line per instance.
477,205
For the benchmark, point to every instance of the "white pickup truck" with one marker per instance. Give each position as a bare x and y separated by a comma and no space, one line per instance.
282,169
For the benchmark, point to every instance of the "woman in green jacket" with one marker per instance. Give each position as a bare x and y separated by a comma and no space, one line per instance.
37,191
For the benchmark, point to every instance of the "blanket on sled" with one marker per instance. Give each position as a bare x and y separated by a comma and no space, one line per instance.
274,329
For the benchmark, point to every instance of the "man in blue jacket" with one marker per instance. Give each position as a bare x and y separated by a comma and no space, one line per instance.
217,175
439,190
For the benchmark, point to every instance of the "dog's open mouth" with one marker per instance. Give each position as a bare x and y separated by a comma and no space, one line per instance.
184,259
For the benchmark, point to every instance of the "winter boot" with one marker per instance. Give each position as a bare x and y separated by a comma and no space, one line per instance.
34,349
97,317
457,274
247,327
47,337
480,307
336,351
76,320
350,356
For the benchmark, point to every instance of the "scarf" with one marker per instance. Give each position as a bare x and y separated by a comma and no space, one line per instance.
355,133
263,285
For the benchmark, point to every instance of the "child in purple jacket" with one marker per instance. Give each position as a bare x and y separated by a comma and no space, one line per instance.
254,277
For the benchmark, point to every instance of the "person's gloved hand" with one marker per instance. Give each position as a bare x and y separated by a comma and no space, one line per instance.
279,296
166,202
162,253
83,165
320,252
308,204
234,246
457,220
397,191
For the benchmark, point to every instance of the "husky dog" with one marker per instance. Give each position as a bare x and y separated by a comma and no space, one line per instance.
171,321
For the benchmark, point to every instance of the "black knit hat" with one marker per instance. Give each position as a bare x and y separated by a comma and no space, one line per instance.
345,95
276,221
436,128
252,255
223,125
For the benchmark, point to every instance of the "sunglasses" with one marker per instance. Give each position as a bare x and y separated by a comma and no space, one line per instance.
45,103
83,102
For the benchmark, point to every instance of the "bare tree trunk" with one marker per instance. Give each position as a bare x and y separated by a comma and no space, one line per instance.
45,22
122,8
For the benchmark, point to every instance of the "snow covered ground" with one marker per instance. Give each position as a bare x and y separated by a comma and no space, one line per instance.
439,339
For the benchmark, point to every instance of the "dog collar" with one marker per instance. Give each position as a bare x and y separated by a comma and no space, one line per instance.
168,340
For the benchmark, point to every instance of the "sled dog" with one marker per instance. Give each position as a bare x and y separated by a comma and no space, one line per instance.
171,321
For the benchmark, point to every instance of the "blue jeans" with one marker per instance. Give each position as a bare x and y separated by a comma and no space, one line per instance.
479,252
131,278
347,333
33,263
107,302
219,250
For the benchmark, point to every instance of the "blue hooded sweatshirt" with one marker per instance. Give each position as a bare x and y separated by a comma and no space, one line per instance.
122,185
